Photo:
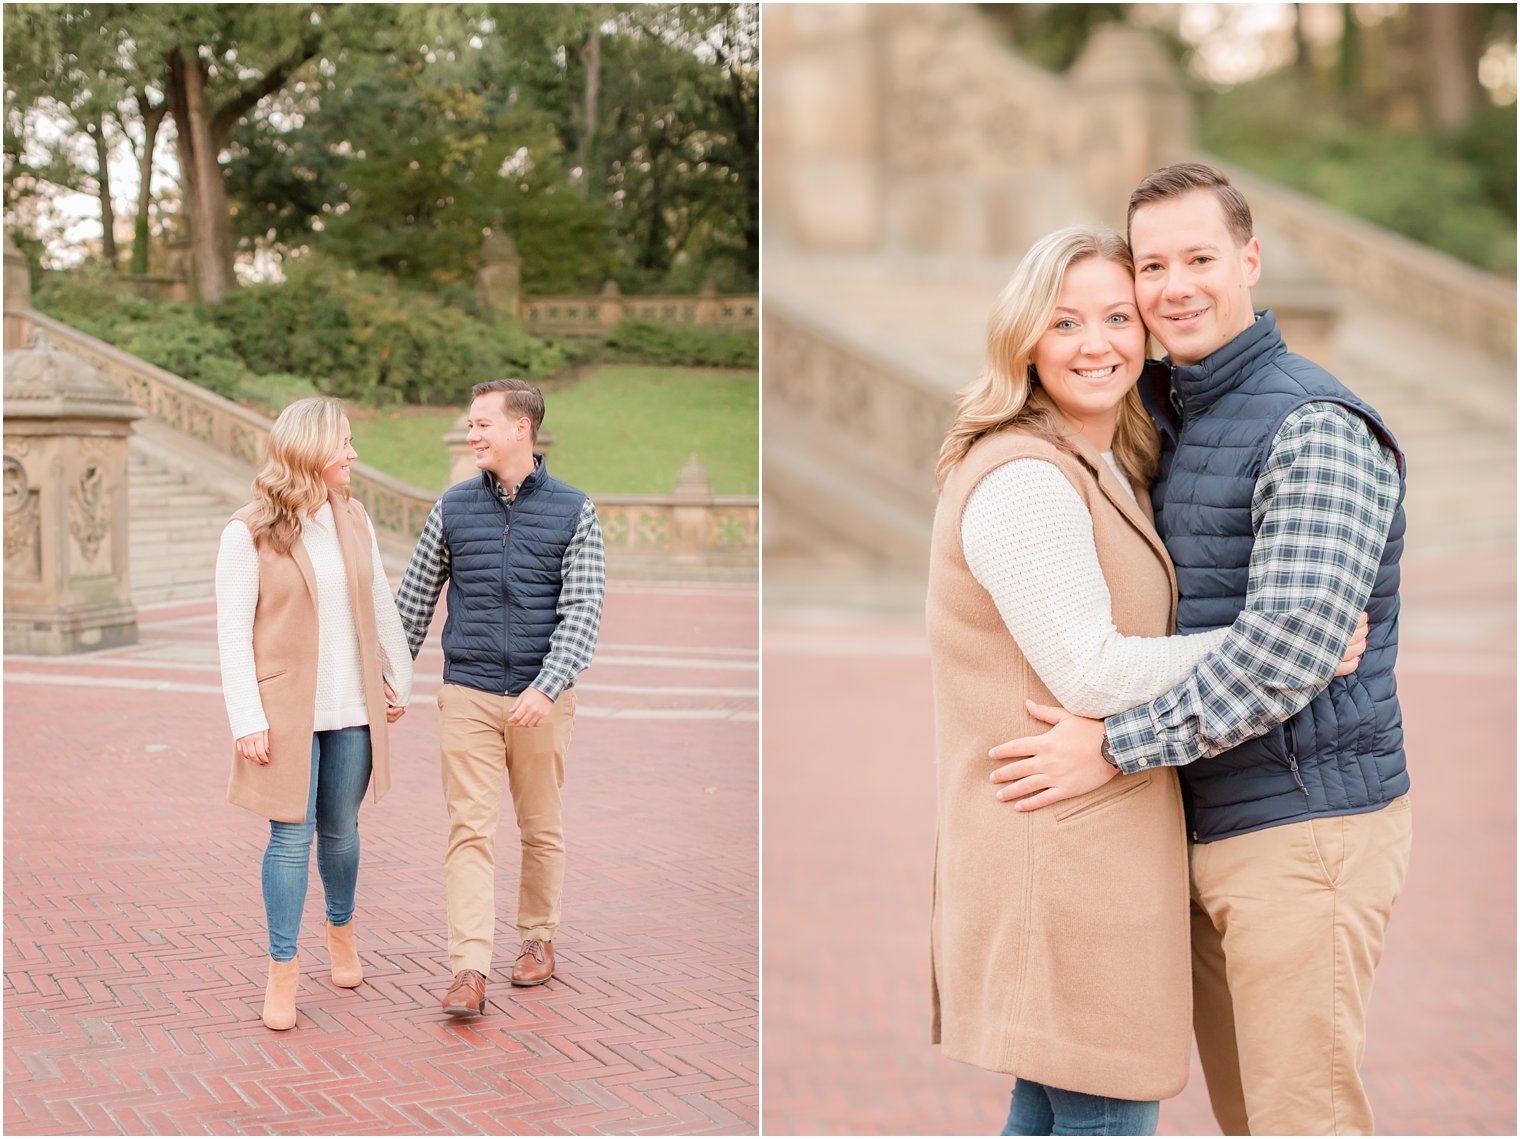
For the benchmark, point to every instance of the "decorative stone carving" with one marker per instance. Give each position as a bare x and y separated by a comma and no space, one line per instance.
21,549
66,428
89,511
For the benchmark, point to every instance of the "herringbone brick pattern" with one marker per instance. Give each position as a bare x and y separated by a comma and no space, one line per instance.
848,836
134,930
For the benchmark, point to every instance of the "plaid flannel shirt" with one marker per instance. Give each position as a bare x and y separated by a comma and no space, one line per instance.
584,582
1321,511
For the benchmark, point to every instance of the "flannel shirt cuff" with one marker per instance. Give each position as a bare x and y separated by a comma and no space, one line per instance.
551,684
1134,740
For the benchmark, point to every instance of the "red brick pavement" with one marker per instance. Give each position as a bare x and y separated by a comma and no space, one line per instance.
133,957
848,831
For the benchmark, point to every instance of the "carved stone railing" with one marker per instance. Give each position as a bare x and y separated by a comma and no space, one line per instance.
1414,280
599,314
720,532
853,435
684,535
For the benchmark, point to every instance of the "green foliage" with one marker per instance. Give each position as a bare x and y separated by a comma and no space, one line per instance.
639,341
1452,192
356,336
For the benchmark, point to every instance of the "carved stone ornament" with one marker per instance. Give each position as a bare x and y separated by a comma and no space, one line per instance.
90,511
21,522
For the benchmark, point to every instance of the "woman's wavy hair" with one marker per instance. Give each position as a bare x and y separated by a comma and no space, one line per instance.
1000,397
289,486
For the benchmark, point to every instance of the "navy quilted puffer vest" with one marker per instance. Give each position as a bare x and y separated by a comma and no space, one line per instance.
1343,754
504,578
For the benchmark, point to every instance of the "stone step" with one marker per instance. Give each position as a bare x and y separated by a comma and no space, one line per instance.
175,528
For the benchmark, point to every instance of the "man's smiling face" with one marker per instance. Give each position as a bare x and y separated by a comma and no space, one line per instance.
1192,281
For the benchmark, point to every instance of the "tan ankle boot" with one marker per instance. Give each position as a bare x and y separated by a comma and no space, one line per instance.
280,994
347,973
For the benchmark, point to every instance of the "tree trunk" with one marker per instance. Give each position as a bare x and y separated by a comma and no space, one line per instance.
591,58
152,117
1450,41
1349,64
212,239
96,128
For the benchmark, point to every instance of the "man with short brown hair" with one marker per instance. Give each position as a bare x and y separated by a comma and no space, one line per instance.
1278,498
522,555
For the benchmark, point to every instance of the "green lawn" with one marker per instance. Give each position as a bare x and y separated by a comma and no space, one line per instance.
620,430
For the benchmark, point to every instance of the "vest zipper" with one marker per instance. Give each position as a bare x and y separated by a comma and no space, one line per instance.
506,611
1297,778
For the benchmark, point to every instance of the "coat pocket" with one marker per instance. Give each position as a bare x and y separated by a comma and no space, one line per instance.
1101,800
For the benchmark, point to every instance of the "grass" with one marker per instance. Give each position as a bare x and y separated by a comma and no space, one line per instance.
619,430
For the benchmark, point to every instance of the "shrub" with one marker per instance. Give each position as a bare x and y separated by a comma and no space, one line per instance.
645,342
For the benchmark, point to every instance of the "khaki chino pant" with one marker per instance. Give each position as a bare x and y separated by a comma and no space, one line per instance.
478,747
1288,927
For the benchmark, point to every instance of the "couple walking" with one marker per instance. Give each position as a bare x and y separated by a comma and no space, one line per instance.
317,661
1170,565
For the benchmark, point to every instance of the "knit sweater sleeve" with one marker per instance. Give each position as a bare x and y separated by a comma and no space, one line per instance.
1028,539
396,656
237,596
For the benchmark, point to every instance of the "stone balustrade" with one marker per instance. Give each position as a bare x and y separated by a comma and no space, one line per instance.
679,535
1411,279
599,314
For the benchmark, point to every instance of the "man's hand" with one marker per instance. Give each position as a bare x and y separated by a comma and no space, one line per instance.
393,711
1059,764
531,709
1355,649
254,747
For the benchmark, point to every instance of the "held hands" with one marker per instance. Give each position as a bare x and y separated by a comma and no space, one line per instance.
1355,649
1058,764
254,747
393,711
531,709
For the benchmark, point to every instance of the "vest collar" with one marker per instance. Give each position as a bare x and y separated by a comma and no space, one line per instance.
1199,385
532,482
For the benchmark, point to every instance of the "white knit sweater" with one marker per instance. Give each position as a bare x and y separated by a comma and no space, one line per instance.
340,687
1028,539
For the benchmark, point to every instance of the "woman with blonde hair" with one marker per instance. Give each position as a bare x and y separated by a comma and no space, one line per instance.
315,664
1059,937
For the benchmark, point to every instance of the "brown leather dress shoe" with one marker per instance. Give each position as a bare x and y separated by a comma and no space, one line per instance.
467,995
534,964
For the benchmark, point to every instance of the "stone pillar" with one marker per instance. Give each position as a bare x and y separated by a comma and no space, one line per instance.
498,278
707,305
610,309
66,575
18,292
1132,115
181,269
821,128
690,517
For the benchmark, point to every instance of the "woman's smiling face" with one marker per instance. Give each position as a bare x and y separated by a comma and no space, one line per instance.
1093,347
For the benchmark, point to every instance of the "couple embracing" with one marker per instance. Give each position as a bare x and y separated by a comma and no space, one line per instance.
317,660
1163,616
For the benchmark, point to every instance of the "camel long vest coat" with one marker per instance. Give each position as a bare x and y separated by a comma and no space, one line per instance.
1059,936
285,663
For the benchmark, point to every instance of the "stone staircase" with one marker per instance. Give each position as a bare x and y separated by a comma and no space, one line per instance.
174,529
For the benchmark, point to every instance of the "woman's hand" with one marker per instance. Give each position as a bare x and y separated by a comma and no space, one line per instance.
393,711
254,747
1355,649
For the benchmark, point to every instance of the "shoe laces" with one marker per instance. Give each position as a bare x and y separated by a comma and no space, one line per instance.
533,949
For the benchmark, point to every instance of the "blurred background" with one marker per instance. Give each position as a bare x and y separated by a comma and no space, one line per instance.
912,154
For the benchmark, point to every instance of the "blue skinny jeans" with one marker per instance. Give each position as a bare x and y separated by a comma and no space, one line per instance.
340,769
1038,1109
